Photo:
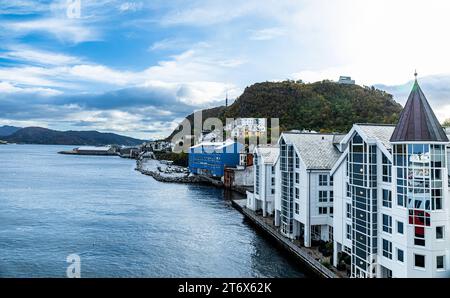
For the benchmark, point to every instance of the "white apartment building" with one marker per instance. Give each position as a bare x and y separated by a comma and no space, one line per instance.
391,209
265,159
247,127
304,202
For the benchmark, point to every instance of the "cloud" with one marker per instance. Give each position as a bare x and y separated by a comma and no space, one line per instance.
131,6
24,54
436,88
267,33
64,29
8,88
22,7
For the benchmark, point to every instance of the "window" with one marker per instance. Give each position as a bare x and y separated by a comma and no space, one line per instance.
387,198
297,193
400,255
323,196
331,196
349,232
272,191
273,170
387,224
331,180
349,210
419,261
387,249
297,178
322,210
323,180
386,164
349,193
297,208
439,232
400,227
297,161
440,262
438,203
273,181
331,210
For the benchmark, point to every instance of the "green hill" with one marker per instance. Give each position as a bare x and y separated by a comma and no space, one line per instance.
39,135
322,106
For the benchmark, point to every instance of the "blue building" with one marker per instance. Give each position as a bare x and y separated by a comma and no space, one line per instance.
211,158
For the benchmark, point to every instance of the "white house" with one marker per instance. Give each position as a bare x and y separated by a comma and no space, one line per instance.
391,210
346,80
265,159
305,206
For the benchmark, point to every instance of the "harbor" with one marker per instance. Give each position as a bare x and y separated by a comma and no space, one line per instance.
121,223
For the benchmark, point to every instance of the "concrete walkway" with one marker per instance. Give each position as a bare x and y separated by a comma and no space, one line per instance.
306,255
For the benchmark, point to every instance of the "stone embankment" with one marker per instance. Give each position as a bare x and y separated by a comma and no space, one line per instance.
166,173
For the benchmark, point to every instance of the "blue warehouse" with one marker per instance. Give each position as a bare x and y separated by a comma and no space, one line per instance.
211,158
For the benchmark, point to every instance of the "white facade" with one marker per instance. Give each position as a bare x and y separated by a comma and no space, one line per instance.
376,224
264,170
305,202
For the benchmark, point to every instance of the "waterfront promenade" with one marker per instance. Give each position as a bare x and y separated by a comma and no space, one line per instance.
309,256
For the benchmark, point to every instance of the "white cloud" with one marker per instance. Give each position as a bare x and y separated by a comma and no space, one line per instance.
6,87
34,56
131,6
64,29
22,7
267,33
100,73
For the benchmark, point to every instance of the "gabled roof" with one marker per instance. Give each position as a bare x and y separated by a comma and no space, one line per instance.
381,132
417,121
316,150
269,154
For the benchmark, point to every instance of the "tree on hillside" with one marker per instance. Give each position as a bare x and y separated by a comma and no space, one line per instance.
446,123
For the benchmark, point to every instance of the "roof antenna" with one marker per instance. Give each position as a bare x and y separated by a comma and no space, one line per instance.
415,74
226,100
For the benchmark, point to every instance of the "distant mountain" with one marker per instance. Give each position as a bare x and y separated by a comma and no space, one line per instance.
322,106
7,130
39,135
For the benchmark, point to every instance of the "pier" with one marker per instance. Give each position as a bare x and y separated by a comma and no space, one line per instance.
305,255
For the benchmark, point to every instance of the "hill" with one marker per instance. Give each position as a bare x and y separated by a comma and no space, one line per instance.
322,106
7,130
39,135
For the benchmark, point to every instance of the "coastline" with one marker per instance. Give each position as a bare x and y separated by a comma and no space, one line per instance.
303,255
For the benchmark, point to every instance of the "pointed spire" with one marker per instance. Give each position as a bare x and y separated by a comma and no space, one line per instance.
417,121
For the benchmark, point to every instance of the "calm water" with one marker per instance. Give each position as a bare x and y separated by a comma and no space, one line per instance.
121,223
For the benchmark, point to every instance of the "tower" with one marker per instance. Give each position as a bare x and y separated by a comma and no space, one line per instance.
420,178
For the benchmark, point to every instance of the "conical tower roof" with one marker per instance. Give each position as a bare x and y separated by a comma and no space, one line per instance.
417,121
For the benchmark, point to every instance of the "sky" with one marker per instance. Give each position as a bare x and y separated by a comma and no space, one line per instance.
137,68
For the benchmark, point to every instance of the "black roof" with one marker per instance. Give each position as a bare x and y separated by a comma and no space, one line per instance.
418,121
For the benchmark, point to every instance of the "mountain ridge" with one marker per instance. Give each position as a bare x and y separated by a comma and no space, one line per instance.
44,136
7,130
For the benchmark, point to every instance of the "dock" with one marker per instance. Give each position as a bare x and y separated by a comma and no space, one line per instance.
303,254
